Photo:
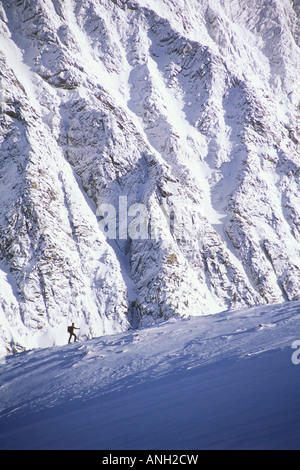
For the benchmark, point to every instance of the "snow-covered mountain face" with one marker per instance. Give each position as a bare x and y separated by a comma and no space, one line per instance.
174,125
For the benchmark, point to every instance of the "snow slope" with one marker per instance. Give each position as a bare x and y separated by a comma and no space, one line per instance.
186,107
224,381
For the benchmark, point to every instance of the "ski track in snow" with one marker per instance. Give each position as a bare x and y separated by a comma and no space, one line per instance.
219,381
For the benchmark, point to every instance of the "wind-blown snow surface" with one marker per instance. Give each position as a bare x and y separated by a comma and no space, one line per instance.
224,381
186,107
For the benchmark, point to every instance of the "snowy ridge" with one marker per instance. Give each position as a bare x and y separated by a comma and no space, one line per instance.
186,106
224,381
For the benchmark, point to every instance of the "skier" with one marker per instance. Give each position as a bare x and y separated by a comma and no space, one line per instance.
71,331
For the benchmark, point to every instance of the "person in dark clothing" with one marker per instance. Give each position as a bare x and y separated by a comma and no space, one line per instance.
71,331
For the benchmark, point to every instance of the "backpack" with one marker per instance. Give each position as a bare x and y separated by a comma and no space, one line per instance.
70,329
